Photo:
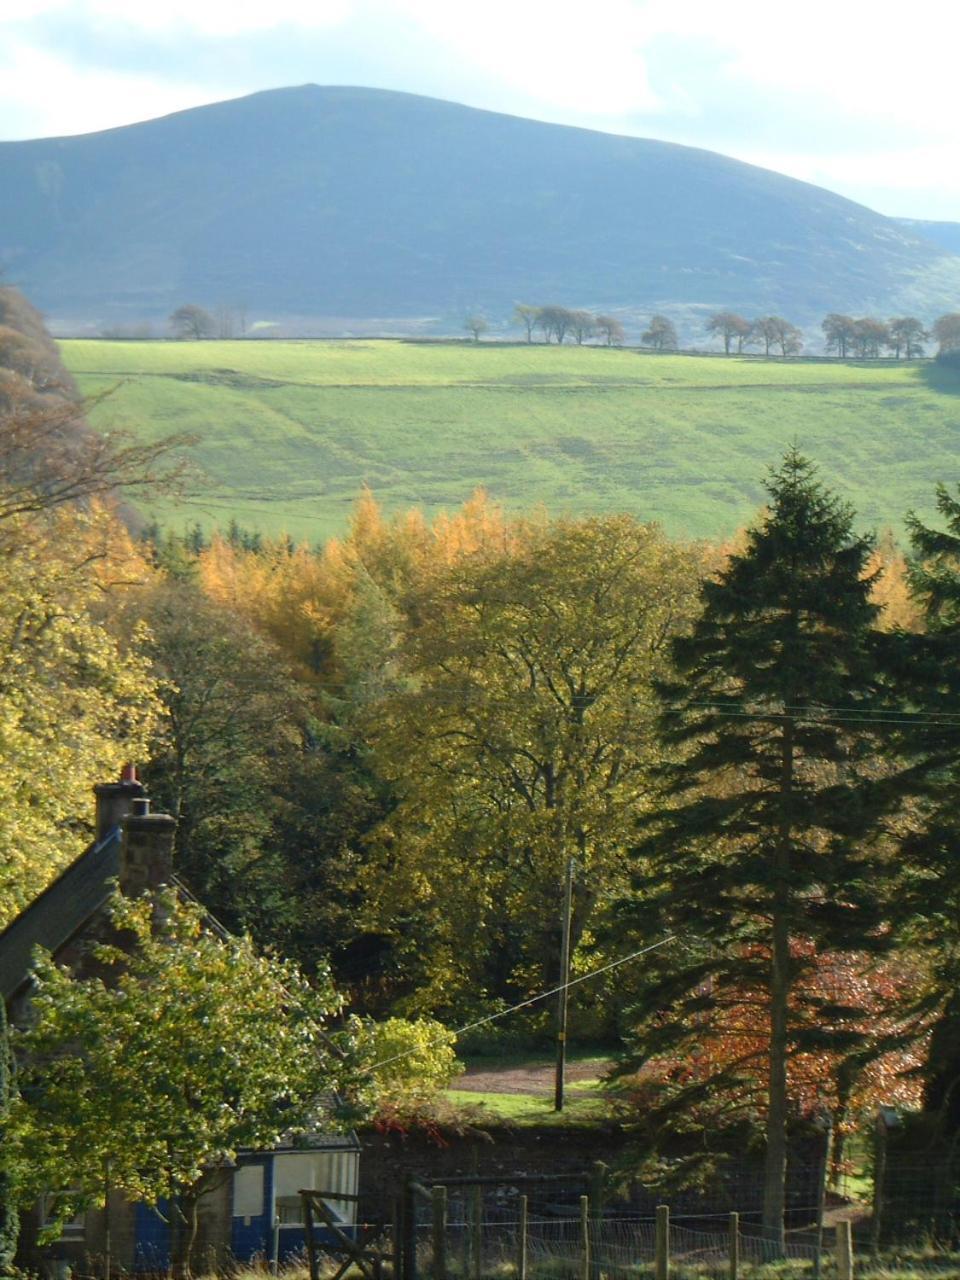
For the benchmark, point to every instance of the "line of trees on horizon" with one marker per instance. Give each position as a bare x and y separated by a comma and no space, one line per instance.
847,337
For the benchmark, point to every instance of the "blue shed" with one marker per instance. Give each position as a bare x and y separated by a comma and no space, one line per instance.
266,1207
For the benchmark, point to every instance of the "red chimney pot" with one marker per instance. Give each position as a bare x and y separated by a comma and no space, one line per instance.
128,773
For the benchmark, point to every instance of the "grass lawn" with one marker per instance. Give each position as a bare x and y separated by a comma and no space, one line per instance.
290,431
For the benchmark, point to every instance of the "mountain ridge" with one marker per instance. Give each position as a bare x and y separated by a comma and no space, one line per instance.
358,204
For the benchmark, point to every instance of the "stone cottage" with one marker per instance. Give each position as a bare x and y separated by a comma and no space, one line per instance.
255,1210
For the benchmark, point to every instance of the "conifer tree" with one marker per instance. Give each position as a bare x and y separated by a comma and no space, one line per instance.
759,861
931,896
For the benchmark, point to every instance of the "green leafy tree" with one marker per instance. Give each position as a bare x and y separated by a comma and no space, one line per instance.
76,700
527,316
760,857
409,1061
476,325
185,1047
523,737
9,1218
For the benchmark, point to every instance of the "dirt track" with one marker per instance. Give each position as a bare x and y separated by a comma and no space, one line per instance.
535,1077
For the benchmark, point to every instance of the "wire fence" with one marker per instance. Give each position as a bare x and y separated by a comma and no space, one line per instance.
509,1245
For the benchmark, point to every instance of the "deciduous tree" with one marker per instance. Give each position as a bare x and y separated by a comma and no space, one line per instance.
732,328
191,321
661,334
527,316
870,337
188,1047
523,738
476,325
839,332
946,330
907,335
611,330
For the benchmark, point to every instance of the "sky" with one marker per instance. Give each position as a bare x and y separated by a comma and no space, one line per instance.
855,95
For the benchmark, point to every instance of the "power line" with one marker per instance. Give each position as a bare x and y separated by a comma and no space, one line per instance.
544,995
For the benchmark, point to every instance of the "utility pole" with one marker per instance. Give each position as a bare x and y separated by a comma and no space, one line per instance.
562,1001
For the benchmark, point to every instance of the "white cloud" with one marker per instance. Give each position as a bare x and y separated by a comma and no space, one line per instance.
204,17
79,100
847,93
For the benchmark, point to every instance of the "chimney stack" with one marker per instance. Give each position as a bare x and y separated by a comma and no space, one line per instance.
115,800
146,854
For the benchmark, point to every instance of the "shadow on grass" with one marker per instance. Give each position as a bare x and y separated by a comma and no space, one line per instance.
944,378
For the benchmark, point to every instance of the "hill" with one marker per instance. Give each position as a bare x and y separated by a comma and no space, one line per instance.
944,234
290,431
339,209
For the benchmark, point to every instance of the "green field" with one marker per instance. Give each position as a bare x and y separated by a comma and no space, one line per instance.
290,431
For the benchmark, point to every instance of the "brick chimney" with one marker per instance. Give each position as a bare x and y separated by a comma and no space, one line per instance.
146,851
115,800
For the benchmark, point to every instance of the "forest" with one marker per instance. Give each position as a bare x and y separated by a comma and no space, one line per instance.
383,753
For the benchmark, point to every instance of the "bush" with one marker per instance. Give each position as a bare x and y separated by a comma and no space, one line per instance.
409,1061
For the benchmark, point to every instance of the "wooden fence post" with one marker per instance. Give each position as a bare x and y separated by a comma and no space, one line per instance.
522,1241
476,1229
397,1238
734,1246
584,1238
409,1231
661,1266
439,1233
844,1250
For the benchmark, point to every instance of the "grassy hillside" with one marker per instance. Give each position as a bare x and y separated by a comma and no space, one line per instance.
290,431
343,210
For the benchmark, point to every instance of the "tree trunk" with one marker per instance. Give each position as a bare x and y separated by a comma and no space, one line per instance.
185,1236
775,1168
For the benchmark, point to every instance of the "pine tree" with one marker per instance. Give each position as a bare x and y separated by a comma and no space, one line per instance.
931,678
758,861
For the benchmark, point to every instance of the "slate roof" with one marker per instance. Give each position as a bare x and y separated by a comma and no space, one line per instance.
60,912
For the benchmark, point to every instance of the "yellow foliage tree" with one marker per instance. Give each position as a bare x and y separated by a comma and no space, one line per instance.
76,700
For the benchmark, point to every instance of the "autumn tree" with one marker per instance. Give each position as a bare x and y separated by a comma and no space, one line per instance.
76,697
610,329
731,328
767,330
784,335
523,738
191,321
49,455
583,325
556,322
907,335
946,331
186,1047
839,332
527,316
476,325
760,858
870,337
660,333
